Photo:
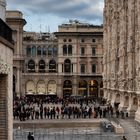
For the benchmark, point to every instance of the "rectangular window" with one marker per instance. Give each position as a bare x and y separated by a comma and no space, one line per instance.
64,50
70,50
93,68
72,68
82,50
28,51
62,67
82,68
93,51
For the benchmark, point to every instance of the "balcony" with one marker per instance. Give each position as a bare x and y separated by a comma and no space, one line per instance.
5,31
18,57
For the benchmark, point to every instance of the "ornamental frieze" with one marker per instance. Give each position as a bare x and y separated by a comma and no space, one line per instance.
130,84
4,68
122,84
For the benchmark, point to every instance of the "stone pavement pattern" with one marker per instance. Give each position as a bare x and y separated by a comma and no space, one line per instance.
75,132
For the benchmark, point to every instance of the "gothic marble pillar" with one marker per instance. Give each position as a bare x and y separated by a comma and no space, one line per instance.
105,93
137,114
113,99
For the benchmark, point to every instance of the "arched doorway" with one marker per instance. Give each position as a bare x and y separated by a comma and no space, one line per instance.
82,90
67,89
52,90
30,88
93,89
135,104
41,88
52,87
126,101
117,101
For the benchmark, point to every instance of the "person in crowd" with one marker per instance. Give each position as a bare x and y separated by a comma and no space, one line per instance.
35,108
123,138
30,136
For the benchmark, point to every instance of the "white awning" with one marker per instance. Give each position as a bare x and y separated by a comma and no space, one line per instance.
51,93
29,93
41,93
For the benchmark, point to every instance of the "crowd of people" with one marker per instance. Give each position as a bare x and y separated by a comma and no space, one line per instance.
35,108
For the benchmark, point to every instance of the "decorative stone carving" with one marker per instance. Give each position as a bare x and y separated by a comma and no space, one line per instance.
130,84
4,68
126,57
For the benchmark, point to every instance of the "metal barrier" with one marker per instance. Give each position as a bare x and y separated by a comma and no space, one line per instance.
71,134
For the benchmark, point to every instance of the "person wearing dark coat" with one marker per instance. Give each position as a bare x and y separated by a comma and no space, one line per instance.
124,138
30,136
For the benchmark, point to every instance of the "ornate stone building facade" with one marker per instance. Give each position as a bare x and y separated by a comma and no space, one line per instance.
6,73
65,63
121,59
80,52
39,75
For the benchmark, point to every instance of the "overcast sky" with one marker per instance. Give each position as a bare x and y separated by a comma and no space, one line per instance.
46,15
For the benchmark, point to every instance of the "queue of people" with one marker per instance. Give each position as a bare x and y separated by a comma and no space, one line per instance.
25,109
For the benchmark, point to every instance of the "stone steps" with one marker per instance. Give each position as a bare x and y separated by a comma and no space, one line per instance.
56,124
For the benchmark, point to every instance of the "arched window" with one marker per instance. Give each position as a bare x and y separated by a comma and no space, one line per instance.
40,88
93,68
39,51
41,66
30,88
31,66
44,51
93,50
55,51
28,51
52,66
64,50
50,51
69,49
33,51
67,65
82,68
52,88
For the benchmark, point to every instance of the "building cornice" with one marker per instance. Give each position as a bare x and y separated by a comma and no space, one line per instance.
6,43
79,33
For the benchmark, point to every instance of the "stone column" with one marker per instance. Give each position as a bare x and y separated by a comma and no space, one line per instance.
113,99
60,87
108,97
105,93
137,114
59,68
2,9
99,91
75,86
18,83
